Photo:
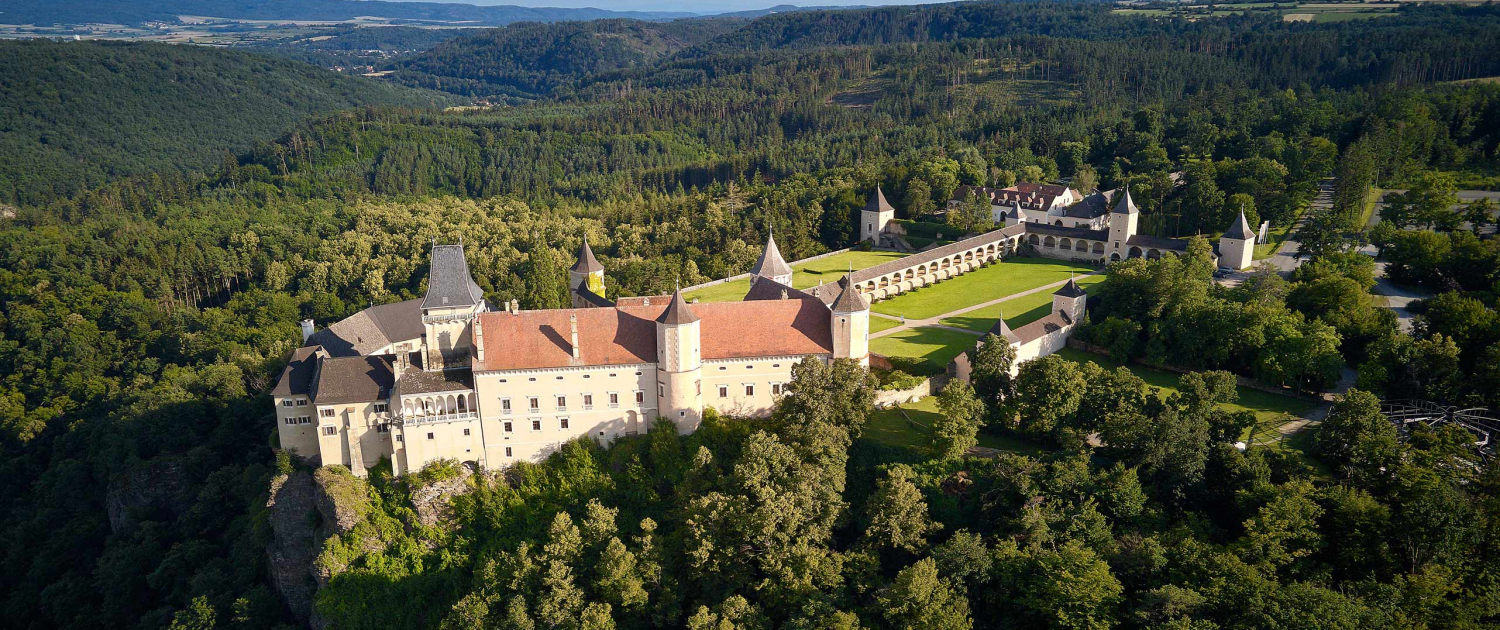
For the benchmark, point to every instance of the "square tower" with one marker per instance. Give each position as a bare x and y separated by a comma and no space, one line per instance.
876,215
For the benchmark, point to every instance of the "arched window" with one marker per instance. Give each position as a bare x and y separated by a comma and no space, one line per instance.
1135,252
1099,249
1066,243
1049,242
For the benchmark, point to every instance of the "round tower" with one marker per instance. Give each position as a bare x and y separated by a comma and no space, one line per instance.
679,365
851,325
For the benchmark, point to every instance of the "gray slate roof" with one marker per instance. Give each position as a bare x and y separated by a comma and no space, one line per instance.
849,299
768,289
771,264
1093,206
1158,242
1003,331
296,379
877,202
449,284
586,261
371,329
1126,205
1070,232
1071,289
353,380
678,312
1240,229
1041,328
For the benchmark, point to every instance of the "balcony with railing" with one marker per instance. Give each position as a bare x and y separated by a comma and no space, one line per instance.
434,418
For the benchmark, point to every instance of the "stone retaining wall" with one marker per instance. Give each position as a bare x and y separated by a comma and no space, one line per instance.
926,388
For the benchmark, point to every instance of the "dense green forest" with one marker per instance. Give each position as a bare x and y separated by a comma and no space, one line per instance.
78,114
149,307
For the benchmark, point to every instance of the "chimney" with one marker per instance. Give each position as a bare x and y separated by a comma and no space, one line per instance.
478,328
573,324
515,307
307,330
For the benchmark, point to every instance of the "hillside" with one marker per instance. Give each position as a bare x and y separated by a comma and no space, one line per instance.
94,11
73,115
529,60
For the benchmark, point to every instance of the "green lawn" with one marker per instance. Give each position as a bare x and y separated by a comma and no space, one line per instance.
889,427
1268,407
1018,311
937,346
1369,210
998,280
878,323
1274,237
805,275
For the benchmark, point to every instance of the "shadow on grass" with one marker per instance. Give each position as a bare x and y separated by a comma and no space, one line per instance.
983,324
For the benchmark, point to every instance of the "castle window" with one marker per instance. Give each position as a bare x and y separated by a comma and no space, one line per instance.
509,427
384,427
562,403
326,413
749,389
536,424
562,423
381,408
429,435
291,421
330,431
505,406
723,391
301,402
466,432
507,452
722,368
614,399
699,385
775,389
286,403
661,389
640,397
304,420
534,403
588,402
399,439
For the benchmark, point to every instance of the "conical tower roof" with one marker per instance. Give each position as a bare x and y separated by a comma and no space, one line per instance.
1001,330
586,261
877,202
849,299
771,264
1126,205
1240,229
678,312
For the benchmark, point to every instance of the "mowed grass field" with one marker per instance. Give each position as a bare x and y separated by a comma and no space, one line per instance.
935,347
1018,311
878,323
998,280
809,274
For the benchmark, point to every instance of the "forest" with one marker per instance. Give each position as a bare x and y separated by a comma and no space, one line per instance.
151,292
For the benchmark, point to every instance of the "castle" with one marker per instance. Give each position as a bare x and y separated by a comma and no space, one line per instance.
447,376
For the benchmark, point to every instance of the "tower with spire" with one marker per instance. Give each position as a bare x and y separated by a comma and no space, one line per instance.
1237,245
851,324
679,365
1070,300
771,266
1123,222
587,274
876,215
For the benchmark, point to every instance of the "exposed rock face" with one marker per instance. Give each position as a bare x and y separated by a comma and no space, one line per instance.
306,510
431,501
154,487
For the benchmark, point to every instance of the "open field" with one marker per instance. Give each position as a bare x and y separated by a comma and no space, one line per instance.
878,323
998,280
935,346
889,427
805,275
1268,407
1018,311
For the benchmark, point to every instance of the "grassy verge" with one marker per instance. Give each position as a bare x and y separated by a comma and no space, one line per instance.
935,347
878,323
1275,237
809,274
1369,210
889,427
1018,311
981,285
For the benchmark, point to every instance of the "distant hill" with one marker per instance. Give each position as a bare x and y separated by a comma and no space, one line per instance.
530,60
787,8
76,114
127,12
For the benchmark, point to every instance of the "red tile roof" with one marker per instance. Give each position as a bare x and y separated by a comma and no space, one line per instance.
627,335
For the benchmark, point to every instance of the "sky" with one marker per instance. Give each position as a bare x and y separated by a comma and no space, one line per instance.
688,6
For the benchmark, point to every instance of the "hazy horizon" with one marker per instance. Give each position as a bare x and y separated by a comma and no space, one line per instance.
700,6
